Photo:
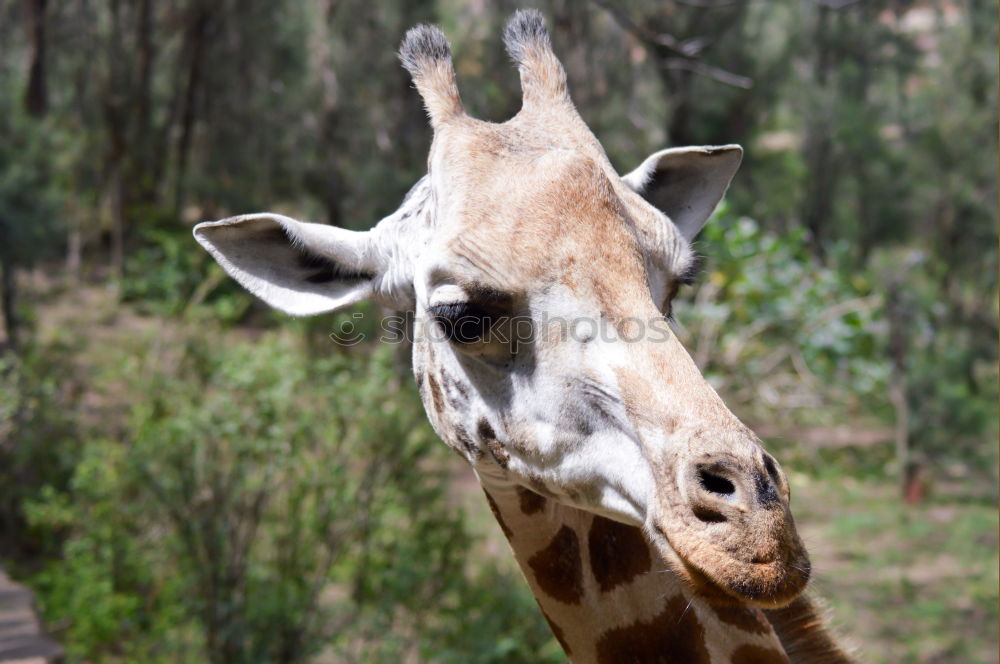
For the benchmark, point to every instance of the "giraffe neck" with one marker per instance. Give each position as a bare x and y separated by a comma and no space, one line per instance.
610,597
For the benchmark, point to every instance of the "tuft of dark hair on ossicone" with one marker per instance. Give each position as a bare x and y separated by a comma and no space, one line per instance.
423,43
525,28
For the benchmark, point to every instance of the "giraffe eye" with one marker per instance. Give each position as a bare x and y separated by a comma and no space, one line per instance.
463,322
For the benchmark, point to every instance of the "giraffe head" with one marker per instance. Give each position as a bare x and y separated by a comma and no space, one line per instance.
539,280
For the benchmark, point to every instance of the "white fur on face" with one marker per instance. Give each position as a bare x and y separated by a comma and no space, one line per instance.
548,416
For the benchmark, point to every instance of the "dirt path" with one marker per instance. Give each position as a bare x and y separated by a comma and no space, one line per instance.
21,638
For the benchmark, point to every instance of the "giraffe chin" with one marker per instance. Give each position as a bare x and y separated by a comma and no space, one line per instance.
764,591
764,572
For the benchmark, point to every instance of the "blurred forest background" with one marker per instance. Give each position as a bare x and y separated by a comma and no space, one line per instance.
188,477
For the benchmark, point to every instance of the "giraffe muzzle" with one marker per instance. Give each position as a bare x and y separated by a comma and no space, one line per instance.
730,525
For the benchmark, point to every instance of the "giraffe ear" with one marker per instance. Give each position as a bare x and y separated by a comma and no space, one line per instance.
686,183
300,268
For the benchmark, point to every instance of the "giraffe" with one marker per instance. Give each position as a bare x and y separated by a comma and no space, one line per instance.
649,522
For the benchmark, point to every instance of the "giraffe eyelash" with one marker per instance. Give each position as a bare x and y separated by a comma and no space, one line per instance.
462,322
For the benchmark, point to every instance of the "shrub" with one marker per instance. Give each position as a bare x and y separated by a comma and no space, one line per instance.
263,505
784,336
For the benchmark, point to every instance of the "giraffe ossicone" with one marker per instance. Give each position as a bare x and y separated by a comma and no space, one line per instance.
649,521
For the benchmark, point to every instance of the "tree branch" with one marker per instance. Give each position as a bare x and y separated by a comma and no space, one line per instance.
707,4
837,4
687,50
640,32
704,69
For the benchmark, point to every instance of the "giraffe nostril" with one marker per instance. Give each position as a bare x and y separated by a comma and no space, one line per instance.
772,470
777,478
715,483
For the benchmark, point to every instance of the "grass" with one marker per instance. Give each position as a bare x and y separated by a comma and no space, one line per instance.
904,583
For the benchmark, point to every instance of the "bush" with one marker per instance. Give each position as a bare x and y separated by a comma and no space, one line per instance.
37,442
782,335
264,505
168,275
788,338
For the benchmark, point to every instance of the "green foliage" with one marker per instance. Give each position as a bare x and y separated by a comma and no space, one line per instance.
165,277
218,493
32,189
789,338
951,370
783,335
114,589
485,623
263,505
37,442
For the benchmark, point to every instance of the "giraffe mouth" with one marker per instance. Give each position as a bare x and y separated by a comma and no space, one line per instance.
766,585
745,564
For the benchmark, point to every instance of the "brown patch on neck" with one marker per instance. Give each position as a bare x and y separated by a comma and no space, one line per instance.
750,654
496,515
539,487
618,553
746,619
531,502
558,567
675,635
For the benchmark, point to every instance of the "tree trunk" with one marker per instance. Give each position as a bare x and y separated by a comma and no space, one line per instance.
74,251
8,302
115,123
196,37
141,186
678,84
36,98
898,343
118,224
820,157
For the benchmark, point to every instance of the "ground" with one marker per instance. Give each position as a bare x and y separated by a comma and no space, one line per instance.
904,584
